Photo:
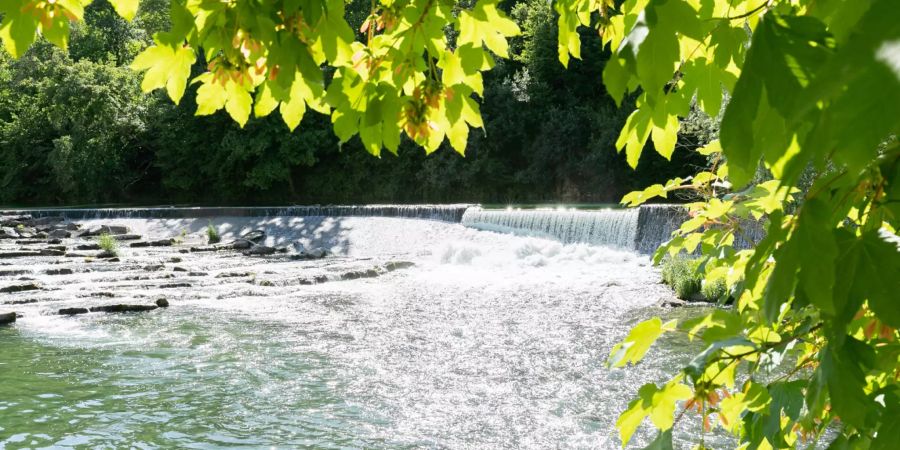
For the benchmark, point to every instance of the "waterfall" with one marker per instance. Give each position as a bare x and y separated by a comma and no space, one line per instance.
446,213
610,227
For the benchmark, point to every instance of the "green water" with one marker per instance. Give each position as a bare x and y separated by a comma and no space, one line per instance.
187,389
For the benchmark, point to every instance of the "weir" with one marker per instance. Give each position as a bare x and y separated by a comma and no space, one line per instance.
446,213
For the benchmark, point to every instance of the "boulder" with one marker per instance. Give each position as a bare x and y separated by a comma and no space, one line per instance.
255,236
19,288
88,247
72,311
46,221
162,303
123,308
25,232
397,265
179,269
106,255
154,267
59,234
13,272
316,253
370,273
97,230
6,318
59,272
8,233
52,252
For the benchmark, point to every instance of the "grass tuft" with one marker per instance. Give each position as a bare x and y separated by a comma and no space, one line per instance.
212,234
680,272
108,244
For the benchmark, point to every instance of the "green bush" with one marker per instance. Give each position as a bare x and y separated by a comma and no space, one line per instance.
108,244
715,290
680,272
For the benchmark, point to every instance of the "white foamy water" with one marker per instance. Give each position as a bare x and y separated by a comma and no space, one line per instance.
487,340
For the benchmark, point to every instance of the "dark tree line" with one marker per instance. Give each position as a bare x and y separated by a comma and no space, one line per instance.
76,128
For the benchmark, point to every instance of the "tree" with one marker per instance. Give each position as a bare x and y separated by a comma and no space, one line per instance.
814,89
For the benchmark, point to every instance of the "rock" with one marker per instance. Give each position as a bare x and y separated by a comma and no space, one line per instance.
183,250
59,234
259,250
316,253
202,249
397,265
233,274
8,233
88,247
13,272
106,255
174,285
126,237
157,243
6,318
321,279
281,249
7,221
154,267
371,273
255,236
123,308
52,252
59,272
179,269
241,244
97,230
19,288
61,248
19,254
72,311
77,255
103,294
47,221
174,259
162,303
266,283
26,232
197,274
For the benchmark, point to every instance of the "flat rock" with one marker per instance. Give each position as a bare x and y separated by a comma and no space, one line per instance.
58,233
126,237
72,311
6,318
52,252
154,267
20,254
123,308
13,272
19,288
88,247
97,230
397,265
370,273
174,285
63,271
204,249
259,250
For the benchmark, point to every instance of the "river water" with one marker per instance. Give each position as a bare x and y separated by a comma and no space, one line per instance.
487,340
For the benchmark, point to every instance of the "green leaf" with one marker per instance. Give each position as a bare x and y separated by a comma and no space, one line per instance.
846,382
638,341
866,269
663,441
657,59
658,403
17,29
784,54
817,250
125,8
634,135
165,67
238,102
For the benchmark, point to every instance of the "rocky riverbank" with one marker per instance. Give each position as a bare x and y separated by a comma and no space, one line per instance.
54,266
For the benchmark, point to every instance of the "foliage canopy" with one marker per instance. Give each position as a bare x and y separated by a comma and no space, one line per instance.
811,343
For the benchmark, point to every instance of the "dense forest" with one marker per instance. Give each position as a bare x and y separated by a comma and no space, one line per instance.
75,128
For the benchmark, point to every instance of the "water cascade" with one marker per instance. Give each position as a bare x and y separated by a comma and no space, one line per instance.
609,227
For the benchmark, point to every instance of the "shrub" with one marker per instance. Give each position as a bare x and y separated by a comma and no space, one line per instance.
714,291
212,234
108,244
680,272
